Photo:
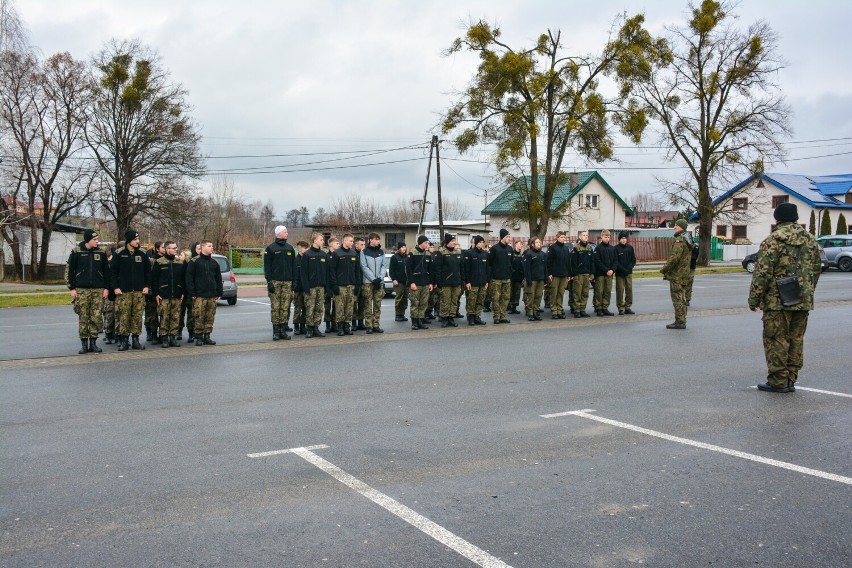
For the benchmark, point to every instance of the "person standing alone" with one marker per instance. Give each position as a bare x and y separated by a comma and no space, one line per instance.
87,277
676,271
279,268
789,251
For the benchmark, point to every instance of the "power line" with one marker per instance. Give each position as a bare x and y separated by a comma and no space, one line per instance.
317,169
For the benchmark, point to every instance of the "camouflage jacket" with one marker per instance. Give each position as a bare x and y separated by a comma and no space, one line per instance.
676,268
777,257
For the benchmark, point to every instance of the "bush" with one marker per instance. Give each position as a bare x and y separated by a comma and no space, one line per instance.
236,259
842,228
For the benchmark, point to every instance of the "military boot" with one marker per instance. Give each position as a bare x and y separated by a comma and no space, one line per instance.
309,333
207,340
341,329
276,332
284,334
415,323
328,326
199,339
173,341
361,326
93,345
400,318
149,335
297,329
135,343
471,320
423,323
347,329
85,349
109,338
122,343
451,322
164,341
478,320
317,332
285,327
443,321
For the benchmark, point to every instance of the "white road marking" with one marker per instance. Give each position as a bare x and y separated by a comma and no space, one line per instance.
798,388
792,467
290,451
253,301
418,521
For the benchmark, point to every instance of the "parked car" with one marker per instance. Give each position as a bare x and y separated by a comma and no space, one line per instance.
229,281
750,260
388,283
838,251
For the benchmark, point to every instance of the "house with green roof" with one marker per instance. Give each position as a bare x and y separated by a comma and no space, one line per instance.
590,204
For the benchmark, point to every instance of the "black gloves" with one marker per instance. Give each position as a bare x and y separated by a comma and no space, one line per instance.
270,286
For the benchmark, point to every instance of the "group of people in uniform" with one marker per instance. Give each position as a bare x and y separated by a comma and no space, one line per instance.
118,289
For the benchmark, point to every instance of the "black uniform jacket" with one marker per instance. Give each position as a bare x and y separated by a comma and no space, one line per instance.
559,260
475,267
535,265
168,277
313,269
345,269
130,270
418,267
87,269
500,261
396,270
582,261
448,267
203,277
626,259
606,259
279,262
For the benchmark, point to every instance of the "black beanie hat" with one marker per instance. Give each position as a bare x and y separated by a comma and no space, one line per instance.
477,239
448,237
129,235
422,239
786,213
400,244
89,234
622,235
503,233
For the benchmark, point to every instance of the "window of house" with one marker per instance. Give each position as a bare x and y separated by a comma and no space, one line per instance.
739,231
392,238
722,230
740,203
779,199
592,201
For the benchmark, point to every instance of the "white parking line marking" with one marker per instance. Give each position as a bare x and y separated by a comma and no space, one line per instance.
290,451
792,467
411,517
843,394
253,301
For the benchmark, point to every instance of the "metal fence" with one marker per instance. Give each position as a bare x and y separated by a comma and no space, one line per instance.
246,260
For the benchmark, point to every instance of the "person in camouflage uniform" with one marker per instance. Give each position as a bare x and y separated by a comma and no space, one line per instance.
373,266
204,285
534,263
299,313
344,277
279,269
168,286
788,251
130,271
418,271
396,271
313,271
475,277
359,306
582,274
87,275
676,271
447,277
152,310
500,260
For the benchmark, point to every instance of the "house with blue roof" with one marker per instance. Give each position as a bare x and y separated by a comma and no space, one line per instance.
589,202
744,212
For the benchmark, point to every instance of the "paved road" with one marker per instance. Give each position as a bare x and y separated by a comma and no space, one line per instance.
142,458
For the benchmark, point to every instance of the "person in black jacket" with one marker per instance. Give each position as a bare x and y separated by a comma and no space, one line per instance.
535,275
204,285
396,271
345,282
168,286
624,275
130,269
418,270
313,270
87,275
500,266
582,273
475,275
279,269
606,262
559,274
517,278
448,279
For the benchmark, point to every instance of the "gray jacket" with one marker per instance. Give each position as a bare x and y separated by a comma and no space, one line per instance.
373,264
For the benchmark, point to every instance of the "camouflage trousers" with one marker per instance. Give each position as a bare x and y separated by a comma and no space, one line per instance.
330,307
557,294
434,303
500,292
186,316
783,344
532,296
204,312
128,313
314,302
624,291
359,308
279,301
475,300
170,316
515,296
678,292
371,300
152,314
603,292
298,307
400,292
449,300
580,288
344,304
109,316
419,301
688,291
90,306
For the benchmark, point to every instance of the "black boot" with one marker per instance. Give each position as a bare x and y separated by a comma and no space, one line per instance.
173,341
297,329
478,320
122,343
328,325
85,349
135,343
149,335
415,323
451,321
341,329
361,326
164,341
471,320
400,318
285,327
423,323
276,332
109,338
317,332
207,340
93,345
378,330
347,329
309,333
199,339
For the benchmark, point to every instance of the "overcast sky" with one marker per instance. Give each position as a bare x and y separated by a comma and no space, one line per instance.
312,77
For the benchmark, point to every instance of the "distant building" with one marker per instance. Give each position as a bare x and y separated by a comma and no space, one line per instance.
591,205
393,233
652,219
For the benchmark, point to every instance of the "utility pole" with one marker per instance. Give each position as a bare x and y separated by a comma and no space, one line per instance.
426,188
438,175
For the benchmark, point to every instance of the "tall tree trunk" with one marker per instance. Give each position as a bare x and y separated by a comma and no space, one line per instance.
45,249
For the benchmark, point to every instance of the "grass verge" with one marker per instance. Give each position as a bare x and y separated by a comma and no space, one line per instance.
30,300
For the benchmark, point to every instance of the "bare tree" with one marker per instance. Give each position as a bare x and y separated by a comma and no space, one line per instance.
221,207
141,132
404,211
454,209
646,202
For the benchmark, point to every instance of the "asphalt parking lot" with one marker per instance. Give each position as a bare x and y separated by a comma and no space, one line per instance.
601,442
